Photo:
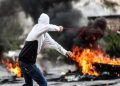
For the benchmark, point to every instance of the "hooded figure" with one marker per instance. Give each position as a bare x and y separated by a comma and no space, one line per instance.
38,38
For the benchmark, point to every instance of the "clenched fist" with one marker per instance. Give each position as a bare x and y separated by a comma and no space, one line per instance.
61,28
68,54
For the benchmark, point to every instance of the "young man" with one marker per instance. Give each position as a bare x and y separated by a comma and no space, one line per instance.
38,38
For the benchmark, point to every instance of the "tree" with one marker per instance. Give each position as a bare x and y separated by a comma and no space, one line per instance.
112,44
10,29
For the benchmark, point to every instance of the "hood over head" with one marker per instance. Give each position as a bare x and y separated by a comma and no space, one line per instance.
43,19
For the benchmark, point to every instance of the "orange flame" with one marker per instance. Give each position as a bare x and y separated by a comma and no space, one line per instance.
12,67
87,57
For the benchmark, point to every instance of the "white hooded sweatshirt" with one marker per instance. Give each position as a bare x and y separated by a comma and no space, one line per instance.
39,33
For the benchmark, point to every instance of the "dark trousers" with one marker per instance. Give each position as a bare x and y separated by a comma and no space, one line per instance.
31,72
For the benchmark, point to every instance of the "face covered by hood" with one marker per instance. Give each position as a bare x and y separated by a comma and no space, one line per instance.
43,19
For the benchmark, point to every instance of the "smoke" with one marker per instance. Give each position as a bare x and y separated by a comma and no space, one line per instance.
69,18
8,7
61,12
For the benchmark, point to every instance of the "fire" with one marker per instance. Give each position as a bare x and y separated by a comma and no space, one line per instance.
87,57
12,66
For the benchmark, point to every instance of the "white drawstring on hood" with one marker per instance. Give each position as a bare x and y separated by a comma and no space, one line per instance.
43,19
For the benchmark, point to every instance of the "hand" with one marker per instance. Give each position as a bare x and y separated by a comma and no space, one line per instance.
68,54
61,28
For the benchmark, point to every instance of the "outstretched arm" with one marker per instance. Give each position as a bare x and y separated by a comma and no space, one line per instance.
52,27
50,43
49,27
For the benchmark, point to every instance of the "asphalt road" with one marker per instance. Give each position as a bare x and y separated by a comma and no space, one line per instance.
115,82
56,73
